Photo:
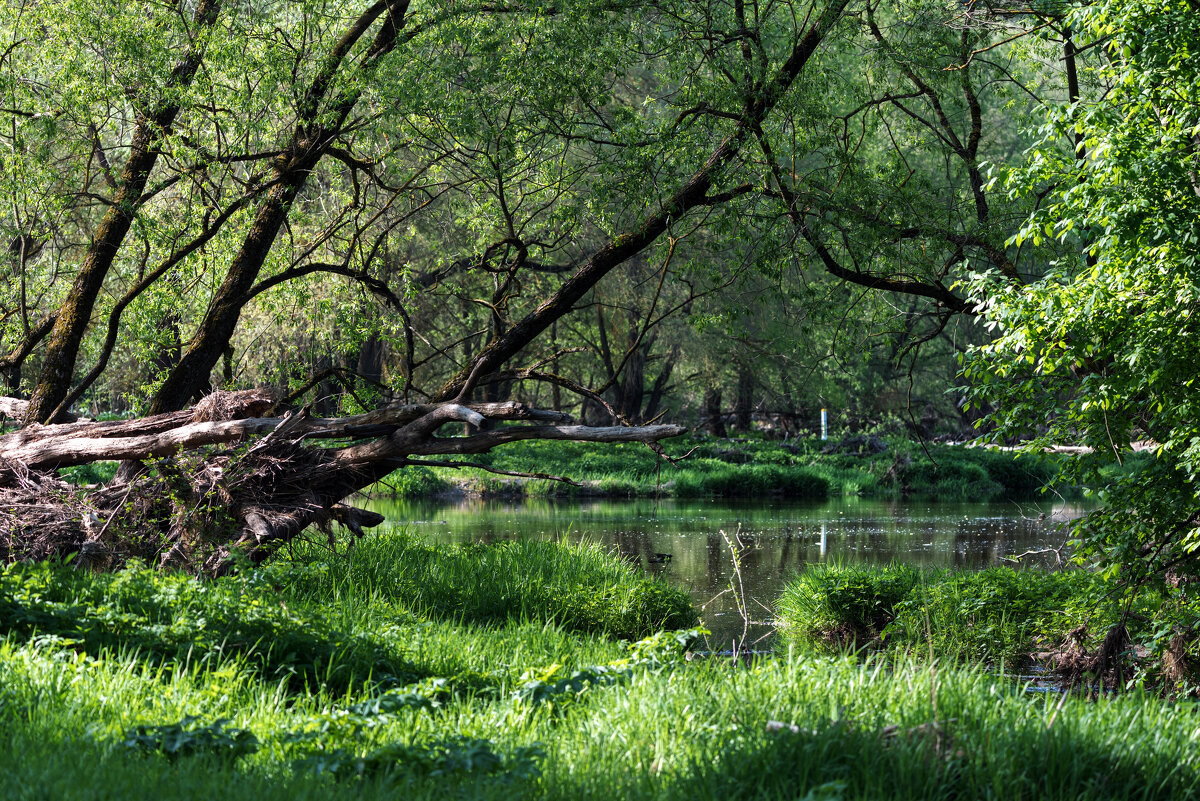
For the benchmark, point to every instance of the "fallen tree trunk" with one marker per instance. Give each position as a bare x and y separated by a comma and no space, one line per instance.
220,479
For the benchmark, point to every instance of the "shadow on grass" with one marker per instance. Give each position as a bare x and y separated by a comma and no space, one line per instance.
928,762
174,619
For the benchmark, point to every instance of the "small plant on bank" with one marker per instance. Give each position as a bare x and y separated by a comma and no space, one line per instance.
184,739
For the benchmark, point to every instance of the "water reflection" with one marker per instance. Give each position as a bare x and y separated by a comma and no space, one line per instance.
771,539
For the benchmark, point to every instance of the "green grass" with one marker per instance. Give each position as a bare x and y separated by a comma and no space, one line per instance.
839,605
488,672
995,616
796,727
93,473
578,587
737,468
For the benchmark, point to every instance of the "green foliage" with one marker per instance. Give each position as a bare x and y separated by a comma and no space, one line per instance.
91,473
998,615
700,731
184,739
992,616
748,468
170,618
579,587
1102,350
660,651
751,481
450,759
845,603
266,620
412,482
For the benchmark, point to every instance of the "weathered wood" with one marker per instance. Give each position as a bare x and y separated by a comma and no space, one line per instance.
15,409
195,513
46,447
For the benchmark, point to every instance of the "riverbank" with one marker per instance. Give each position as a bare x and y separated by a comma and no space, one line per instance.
1062,623
497,672
735,468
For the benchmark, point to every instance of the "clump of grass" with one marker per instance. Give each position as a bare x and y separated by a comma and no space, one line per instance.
955,472
416,482
993,616
579,587
840,605
751,481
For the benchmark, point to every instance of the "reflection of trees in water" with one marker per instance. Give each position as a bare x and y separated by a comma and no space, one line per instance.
864,540
984,543
784,543
714,553
979,544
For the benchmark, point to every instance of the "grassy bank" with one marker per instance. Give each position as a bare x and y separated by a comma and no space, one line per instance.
367,678
995,616
740,468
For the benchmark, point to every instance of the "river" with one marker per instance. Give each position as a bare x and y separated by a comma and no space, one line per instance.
713,548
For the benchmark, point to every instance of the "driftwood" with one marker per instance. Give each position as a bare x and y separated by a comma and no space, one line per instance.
218,479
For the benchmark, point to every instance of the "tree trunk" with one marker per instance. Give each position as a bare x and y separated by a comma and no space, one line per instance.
661,383
744,404
201,500
714,424
75,315
310,142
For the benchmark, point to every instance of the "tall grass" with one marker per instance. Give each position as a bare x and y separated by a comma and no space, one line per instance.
997,615
794,727
577,586
157,691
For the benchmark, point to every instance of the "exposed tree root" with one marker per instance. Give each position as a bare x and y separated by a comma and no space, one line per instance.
1107,667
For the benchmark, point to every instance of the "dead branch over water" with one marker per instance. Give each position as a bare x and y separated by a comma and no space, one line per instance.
218,479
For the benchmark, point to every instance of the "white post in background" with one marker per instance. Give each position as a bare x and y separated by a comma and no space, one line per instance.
824,424
824,541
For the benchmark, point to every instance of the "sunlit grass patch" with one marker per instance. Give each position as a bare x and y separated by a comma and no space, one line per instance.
797,726
577,586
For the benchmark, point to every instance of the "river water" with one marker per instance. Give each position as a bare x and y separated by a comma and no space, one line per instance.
703,546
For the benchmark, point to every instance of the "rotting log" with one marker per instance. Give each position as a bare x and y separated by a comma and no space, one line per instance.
219,480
